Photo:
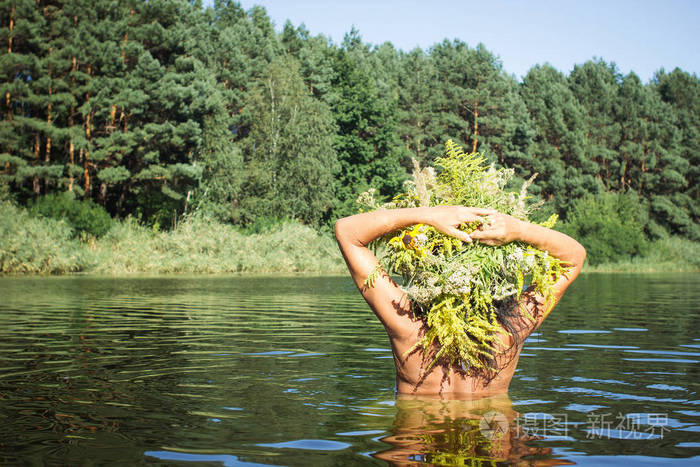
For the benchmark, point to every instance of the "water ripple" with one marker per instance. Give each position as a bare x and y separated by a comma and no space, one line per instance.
297,371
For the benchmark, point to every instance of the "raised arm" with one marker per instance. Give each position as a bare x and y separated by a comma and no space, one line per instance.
502,228
354,233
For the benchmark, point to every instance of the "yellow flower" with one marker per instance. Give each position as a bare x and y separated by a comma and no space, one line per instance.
414,239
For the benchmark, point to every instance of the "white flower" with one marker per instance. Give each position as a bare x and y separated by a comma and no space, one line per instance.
503,290
422,295
459,282
517,255
430,281
529,262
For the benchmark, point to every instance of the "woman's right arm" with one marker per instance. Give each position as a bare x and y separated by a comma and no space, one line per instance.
503,228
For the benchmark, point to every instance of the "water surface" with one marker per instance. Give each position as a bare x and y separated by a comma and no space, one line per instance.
297,371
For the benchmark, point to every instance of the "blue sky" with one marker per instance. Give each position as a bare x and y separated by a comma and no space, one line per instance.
640,36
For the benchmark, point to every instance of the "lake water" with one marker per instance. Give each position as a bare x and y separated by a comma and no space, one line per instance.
297,371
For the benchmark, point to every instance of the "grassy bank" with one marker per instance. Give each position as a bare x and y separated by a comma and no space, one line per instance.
202,246
668,255
45,246
37,245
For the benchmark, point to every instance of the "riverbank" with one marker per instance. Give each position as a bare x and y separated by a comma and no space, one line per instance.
672,254
37,245
34,245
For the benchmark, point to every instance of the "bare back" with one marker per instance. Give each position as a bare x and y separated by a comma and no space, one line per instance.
412,373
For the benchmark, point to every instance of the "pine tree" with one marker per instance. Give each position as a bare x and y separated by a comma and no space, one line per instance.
651,161
418,107
480,104
315,56
366,143
558,147
157,106
24,103
218,193
682,91
595,85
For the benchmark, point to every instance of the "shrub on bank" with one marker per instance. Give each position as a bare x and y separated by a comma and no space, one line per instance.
201,245
86,217
609,225
38,245
671,254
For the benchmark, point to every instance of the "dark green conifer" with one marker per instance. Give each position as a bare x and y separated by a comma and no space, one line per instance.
366,143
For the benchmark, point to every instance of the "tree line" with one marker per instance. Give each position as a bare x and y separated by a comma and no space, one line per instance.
159,108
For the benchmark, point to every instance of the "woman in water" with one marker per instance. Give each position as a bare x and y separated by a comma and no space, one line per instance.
393,308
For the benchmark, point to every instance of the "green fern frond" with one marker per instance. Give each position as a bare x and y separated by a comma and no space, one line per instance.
373,276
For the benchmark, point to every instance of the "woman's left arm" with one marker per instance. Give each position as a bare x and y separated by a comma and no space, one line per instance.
354,233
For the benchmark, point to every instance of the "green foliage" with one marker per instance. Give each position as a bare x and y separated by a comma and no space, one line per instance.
559,142
458,288
609,225
86,217
480,105
199,244
264,224
365,142
595,85
159,109
671,254
419,105
290,145
38,245
5,194
202,245
681,91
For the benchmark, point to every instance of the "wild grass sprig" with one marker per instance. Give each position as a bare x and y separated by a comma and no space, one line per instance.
457,288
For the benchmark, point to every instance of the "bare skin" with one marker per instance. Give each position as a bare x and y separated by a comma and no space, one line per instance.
393,308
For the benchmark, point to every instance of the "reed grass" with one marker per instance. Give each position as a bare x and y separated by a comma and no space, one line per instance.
200,245
37,245
673,254
31,245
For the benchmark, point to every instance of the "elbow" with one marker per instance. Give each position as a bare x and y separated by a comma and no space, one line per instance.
580,256
346,231
341,229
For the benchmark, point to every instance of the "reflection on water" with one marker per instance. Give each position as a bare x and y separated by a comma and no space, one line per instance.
460,432
297,371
